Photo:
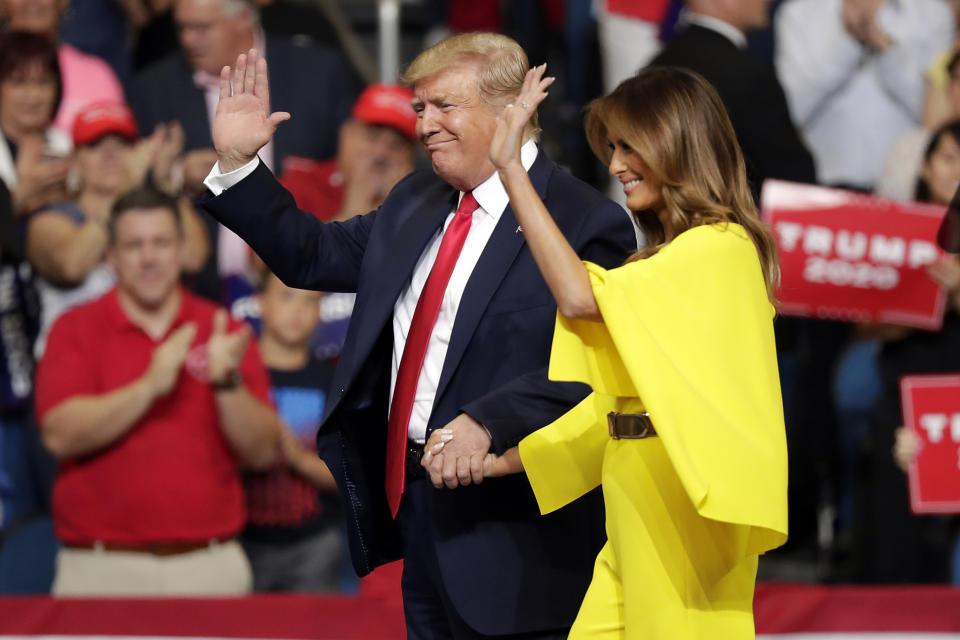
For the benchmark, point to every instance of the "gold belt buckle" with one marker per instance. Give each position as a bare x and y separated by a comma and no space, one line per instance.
630,426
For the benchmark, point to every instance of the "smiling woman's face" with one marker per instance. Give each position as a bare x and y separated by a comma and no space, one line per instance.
454,125
640,185
26,98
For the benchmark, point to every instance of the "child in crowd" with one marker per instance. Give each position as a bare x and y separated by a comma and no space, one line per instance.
293,538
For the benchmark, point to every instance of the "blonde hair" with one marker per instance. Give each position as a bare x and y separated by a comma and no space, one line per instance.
675,121
502,65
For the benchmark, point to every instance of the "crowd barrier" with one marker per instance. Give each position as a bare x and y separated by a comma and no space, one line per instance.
797,611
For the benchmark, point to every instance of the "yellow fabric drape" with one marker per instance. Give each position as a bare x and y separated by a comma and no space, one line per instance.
687,334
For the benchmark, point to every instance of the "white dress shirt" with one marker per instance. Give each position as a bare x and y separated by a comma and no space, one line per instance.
852,104
492,198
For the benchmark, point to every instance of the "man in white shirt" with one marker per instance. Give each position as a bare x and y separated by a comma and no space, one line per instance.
853,72
479,561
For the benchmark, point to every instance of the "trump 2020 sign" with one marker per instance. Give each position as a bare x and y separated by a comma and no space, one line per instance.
849,256
931,409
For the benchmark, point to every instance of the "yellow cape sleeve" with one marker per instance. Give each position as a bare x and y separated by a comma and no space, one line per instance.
689,332
563,460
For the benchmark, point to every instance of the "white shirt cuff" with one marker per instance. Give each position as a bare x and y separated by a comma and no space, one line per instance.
219,182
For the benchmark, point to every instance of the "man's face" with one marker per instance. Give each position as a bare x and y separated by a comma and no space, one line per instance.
146,255
289,315
752,14
455,126
35,16
211,38
379,147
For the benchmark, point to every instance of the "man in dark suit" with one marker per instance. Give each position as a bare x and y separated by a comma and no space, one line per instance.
184,87
712,43
479,561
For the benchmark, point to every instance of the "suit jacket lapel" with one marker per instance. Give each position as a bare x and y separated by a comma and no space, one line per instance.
497,257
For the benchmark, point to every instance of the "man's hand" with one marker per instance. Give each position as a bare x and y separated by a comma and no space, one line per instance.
459,461
860,20
225,350
243,122
168,358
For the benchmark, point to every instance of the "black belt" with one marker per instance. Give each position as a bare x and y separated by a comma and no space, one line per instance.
414,455
630,426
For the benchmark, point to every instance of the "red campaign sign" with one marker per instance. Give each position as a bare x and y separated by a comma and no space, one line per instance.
931,409
850,256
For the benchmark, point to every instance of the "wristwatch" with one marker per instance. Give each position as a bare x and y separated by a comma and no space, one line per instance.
232,381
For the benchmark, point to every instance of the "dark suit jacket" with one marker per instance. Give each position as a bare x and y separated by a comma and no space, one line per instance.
506,568
754,99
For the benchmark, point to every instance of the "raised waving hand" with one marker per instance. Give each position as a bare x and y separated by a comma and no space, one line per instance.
243,122
508,138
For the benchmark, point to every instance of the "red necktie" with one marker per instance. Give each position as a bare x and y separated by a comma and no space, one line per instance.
415,348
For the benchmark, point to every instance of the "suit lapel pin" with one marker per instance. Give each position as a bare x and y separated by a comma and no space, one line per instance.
519,229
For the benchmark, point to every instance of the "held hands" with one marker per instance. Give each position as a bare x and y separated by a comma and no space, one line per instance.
508,138
447,470
225,350
168,358
454,455
243,122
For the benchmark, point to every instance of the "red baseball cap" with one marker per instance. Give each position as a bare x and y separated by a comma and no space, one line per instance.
387,105
104,118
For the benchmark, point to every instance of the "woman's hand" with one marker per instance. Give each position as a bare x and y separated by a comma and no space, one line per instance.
906,448
168,151
142,156
508,138
495,466
40,179
946,273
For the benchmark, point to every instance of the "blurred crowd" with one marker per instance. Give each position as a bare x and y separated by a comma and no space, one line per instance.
121,439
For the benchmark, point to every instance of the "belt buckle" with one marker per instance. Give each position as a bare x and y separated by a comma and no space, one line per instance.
630,426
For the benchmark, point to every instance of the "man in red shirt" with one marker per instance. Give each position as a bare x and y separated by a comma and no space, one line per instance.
151,400
375,150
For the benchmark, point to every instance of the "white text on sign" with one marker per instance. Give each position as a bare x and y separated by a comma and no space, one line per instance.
853,258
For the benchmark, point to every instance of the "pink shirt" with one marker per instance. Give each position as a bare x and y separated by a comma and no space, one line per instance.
86,79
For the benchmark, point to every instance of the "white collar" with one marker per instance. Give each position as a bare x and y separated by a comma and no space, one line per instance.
490,194
725,29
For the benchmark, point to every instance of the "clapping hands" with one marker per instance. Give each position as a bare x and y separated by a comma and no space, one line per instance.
225,349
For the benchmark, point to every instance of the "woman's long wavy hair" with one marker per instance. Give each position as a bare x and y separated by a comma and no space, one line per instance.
674,120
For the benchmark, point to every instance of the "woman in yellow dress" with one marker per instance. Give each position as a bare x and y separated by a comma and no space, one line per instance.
684,428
